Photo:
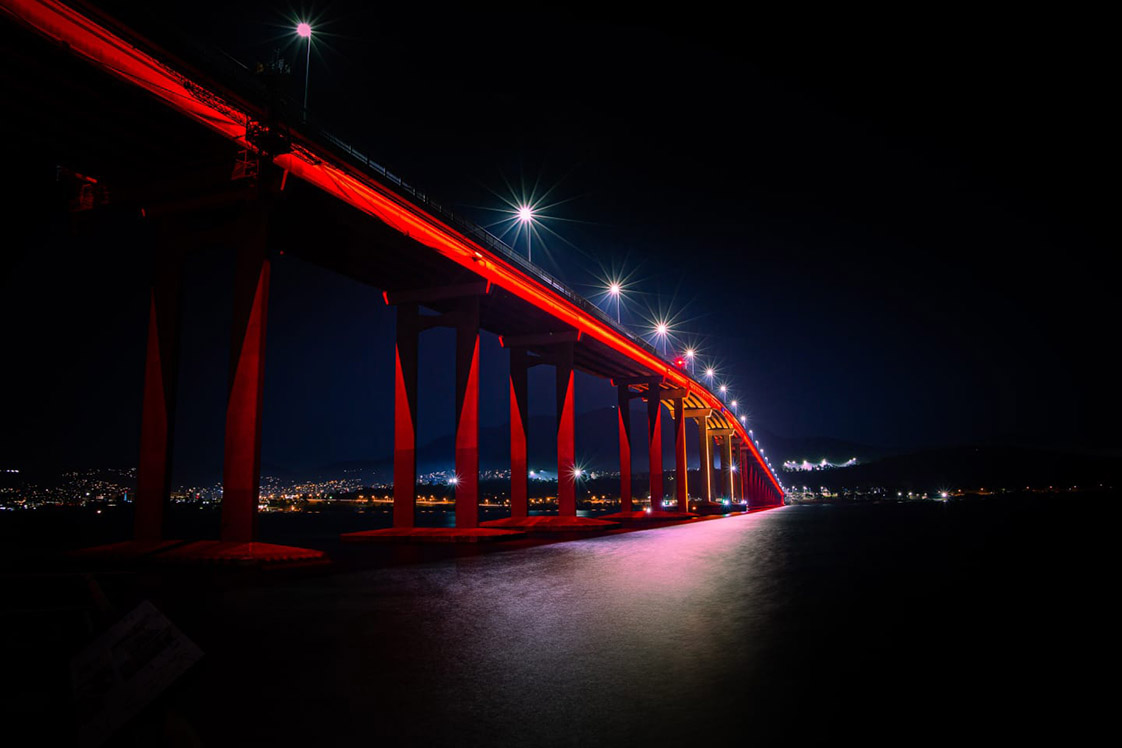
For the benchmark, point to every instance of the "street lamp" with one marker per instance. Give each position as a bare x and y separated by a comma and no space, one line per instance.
662,330
526,216
615,290
304,30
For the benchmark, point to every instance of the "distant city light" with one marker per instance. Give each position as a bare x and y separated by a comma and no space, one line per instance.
806,465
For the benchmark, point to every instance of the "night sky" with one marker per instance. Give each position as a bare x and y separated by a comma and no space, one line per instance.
890,229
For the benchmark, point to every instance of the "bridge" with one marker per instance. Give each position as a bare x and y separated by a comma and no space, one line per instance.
205,158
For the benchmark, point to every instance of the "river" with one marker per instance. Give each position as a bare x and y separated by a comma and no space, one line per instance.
888,623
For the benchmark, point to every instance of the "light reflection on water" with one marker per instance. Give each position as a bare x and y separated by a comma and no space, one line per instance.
801,623
523,644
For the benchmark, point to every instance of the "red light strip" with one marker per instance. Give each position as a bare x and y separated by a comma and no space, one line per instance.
113,54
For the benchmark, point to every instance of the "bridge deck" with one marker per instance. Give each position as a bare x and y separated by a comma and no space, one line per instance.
121,120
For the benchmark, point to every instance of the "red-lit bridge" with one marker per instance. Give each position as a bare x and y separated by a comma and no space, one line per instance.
207,161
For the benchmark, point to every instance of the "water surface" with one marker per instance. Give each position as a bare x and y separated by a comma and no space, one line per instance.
888,623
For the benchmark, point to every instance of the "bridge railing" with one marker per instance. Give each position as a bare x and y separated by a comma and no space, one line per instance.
472,230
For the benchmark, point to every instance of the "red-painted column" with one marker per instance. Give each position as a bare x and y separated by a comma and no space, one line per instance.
680,464
519,433
405,417
750,480
654,442
157,421
750,486
745,474
566,437
718,468
467,415
242,466
727,467
624,410
705,460
758,486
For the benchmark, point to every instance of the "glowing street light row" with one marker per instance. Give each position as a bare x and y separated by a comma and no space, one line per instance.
526,216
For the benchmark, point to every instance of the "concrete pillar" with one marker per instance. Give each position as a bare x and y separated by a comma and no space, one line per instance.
718,468
624,409
241,477
705,460
745,474
519,433
727,467
405,417
654,443
566,422
680,464
467,413
157,420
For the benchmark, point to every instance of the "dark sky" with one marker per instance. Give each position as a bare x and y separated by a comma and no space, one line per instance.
887,228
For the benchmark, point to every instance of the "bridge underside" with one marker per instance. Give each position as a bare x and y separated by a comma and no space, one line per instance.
146,157
122,152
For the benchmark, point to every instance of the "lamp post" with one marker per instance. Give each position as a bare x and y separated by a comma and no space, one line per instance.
662,331
304,30
616,291
526,216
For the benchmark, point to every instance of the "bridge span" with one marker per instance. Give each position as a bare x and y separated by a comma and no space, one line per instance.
208,160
